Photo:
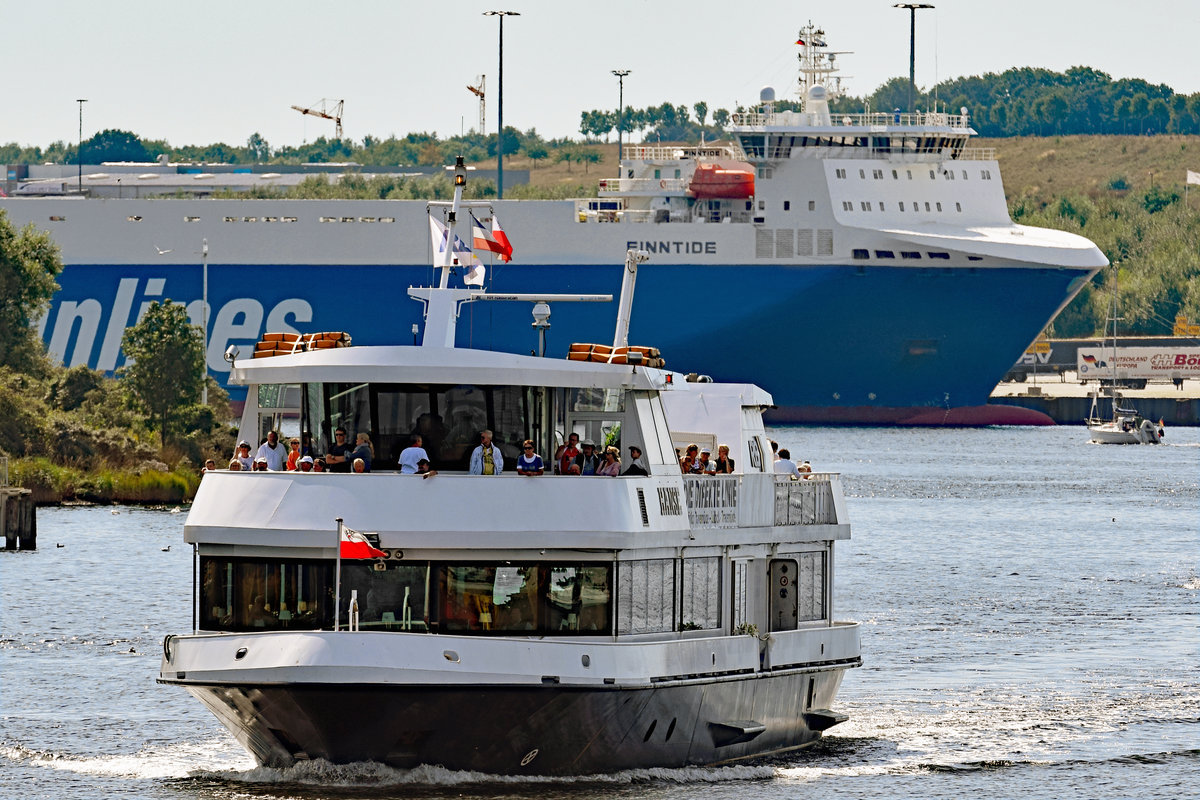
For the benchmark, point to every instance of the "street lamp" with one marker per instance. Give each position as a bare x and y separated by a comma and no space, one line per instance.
79,150
620,73
500,104
912,46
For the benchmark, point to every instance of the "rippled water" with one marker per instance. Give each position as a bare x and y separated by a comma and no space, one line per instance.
1030,618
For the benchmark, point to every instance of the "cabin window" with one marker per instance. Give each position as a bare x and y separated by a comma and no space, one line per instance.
877,174
861,253
700,602
840,173
895,175
901,205
866,206
884,254
909,171
754,146
862,173
910,254
939,206
646,596
247,594
811,586
812,205
943,256
964,174
932,175
927,206
881,205
657,174
847,205
787,205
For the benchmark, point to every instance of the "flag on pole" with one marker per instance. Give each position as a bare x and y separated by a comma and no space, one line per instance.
476,274
355,545
439,234
485,240
501,239
1193,177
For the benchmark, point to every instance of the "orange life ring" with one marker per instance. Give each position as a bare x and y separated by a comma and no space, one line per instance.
662,184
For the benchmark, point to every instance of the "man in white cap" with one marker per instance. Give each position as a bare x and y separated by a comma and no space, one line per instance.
306,463
706,465
587,462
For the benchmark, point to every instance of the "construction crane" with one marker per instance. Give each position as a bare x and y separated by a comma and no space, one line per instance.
478,91
324,113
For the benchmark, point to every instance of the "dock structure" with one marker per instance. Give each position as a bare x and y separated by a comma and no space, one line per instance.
1067,401
18,519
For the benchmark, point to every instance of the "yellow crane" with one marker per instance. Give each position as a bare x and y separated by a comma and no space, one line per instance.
324,113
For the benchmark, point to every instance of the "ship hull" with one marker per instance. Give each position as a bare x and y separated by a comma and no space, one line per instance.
541,730
835,344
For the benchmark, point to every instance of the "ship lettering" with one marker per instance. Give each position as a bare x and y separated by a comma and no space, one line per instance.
77,324
668,501
661,246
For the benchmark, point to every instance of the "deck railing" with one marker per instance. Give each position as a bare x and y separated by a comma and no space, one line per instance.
763,499
926,119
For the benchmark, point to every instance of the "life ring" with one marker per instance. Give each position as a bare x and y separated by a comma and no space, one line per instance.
662,184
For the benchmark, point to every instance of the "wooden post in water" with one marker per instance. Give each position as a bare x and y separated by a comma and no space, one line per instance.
18,522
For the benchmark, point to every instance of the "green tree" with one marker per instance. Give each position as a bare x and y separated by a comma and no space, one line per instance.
29,262
167,353
701,109
113,145
259,149
536,153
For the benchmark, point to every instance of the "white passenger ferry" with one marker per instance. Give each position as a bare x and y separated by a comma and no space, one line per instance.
513,625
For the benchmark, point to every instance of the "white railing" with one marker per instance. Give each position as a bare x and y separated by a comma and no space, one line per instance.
927,119
660,153
642,185
977,154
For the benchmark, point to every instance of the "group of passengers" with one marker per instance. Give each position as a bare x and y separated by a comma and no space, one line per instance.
575,458
697,460
784,465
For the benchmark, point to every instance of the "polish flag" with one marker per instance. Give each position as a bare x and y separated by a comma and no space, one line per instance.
355,545
501,239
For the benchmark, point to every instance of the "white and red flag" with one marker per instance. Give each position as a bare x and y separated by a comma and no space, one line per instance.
355,545
492,240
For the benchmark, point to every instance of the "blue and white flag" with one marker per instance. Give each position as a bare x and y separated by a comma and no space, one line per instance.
440,233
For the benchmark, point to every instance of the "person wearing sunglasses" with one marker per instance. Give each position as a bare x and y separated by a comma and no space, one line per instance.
530,463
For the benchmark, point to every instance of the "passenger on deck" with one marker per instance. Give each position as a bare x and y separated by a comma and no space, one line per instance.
612,463
724,464
774,449
565,455
412,456
259,615
272,451
635,468
785,465
305,463
210,465
337,459
261,464
235,465
530,463
359,466
319,465
587,462
306,446
805,470
363,449
293,457
706,466
242,454
424,470
487,458
688,465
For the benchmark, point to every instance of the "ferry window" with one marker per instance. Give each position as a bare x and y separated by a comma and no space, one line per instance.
964,174
895,175
754,146
591,399
810,586
677,173
940,255
916,206
866,206
534,598
762,205
392,598
251,594
932,175
881,205
646,596
901,205
939,206
884,254
812,205
847,205
909,254
841,173
860,253
927,206
862,173
877,174
657,174
958,206
700,602
909,171
787,205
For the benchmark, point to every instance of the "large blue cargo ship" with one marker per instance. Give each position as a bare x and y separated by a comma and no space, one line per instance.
862,267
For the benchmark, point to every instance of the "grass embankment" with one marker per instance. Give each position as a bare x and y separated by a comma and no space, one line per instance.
52,484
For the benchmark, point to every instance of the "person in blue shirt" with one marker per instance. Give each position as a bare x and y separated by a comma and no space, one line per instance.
530,463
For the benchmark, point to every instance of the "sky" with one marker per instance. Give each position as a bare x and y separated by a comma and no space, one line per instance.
201,72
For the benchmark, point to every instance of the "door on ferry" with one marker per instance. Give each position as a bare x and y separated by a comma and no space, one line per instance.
782,600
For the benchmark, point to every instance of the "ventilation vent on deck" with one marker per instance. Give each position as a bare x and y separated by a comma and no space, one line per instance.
804,242
785,243
642,507
764,243
824,242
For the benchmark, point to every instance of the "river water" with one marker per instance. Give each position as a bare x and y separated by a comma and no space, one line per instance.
1030,627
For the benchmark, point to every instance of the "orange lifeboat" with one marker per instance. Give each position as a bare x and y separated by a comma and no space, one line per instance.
722,179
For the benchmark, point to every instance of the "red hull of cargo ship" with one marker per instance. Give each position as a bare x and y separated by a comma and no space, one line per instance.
958,417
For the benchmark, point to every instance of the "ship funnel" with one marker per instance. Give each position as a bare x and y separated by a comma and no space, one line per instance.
817,104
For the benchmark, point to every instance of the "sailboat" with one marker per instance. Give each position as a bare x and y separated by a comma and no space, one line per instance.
1125,426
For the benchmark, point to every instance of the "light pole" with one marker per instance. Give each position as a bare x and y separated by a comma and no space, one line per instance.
79,149
912,46
204,316
620,73
500,104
